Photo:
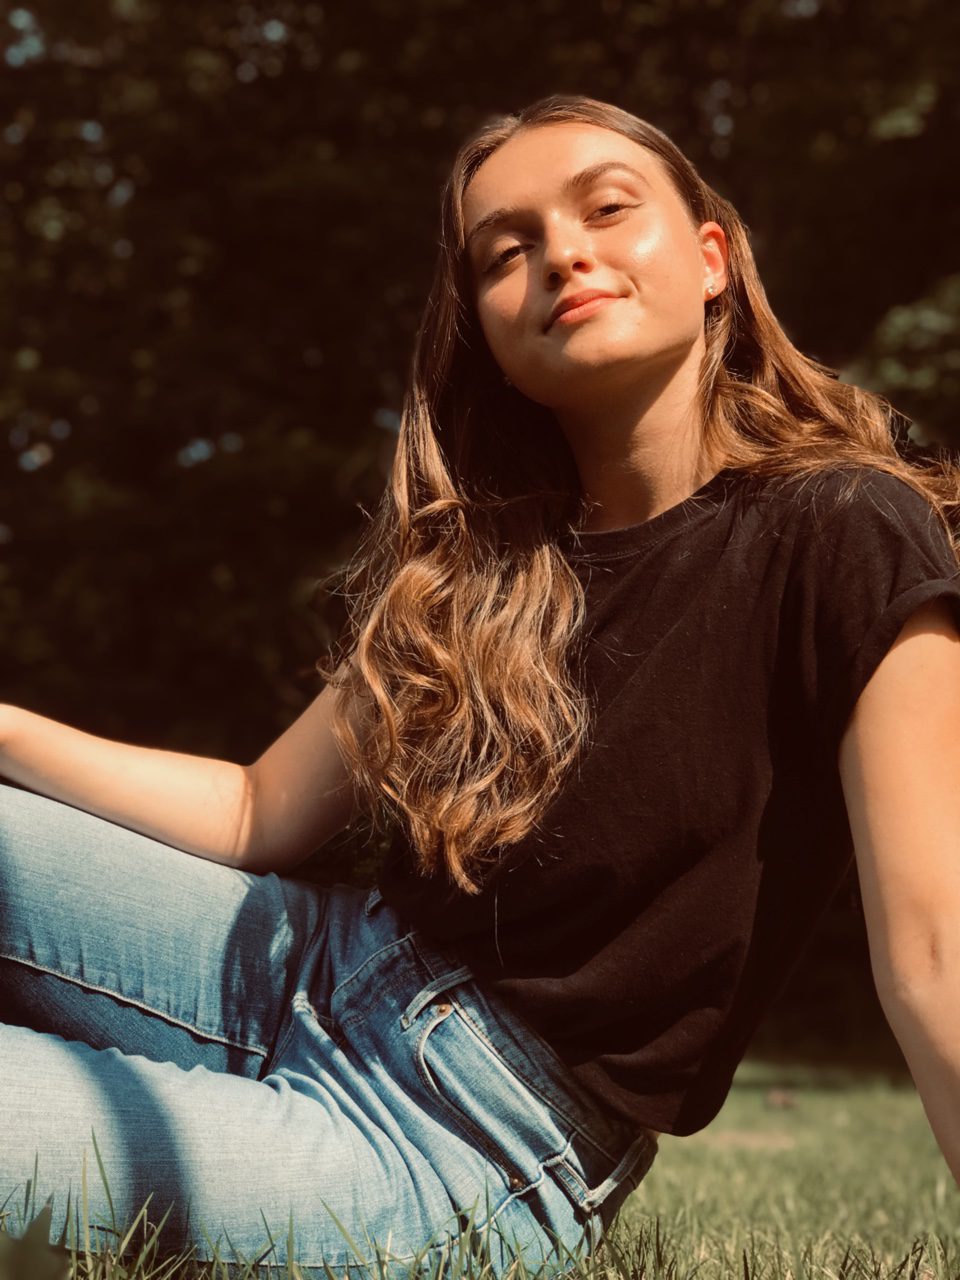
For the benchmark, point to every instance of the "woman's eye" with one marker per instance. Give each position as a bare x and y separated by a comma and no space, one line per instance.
613,207
503,258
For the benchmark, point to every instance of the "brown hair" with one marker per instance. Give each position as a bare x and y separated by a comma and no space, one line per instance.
464,614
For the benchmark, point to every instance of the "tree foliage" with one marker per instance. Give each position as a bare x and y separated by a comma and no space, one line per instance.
218,227
219,221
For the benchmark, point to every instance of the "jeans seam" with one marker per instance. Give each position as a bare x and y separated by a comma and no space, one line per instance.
137,1004
285,1031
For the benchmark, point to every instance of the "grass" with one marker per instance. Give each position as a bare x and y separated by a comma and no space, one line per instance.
802,1167
806,1174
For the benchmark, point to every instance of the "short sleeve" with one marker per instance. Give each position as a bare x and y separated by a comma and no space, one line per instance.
869,551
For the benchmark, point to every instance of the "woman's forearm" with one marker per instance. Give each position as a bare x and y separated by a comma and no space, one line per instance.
923,1017
191,802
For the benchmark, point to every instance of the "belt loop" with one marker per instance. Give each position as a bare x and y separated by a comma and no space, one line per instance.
643,1145
423,997
373,897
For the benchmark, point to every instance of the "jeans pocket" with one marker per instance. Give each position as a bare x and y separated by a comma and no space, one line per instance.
511,1120
447,1046
474,1090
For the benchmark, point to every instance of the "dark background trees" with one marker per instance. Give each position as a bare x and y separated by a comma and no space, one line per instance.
218,222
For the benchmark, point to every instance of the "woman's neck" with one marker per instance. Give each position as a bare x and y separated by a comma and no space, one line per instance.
639,451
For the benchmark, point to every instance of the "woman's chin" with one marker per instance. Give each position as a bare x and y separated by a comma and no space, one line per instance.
577,374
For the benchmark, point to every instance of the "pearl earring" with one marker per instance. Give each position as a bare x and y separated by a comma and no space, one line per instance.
710,289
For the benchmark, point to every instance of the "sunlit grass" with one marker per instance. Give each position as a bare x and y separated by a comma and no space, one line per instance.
806,1162
806,1174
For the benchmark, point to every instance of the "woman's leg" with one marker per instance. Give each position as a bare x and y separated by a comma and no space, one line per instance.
115,939
391,1096
227,1158
398,1107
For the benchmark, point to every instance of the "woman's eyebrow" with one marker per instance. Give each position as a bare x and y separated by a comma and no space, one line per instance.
508,213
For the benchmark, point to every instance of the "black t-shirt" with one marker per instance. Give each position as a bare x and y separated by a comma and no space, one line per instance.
648,923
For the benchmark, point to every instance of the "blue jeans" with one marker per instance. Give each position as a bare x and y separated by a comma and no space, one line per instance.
251,1049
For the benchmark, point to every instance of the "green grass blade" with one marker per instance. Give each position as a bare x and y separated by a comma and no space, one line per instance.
106,1184
85,1213
343,1231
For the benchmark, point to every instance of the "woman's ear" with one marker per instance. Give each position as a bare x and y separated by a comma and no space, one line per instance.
716,254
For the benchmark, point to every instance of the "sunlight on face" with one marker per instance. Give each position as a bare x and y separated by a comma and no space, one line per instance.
565,209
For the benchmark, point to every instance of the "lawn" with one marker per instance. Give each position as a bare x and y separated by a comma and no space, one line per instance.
807,1173
800,1165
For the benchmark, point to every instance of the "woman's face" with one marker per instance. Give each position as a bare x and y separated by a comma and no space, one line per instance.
566,209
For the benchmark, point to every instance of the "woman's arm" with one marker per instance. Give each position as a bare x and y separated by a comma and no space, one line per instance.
267,816
900,767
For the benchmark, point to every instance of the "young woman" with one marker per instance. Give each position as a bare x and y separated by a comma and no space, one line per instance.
655,630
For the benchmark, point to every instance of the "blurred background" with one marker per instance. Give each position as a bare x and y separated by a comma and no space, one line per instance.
217,226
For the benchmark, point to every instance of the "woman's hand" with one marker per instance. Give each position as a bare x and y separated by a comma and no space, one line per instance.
900,767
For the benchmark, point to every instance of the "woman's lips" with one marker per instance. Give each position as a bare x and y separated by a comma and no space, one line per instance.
584,310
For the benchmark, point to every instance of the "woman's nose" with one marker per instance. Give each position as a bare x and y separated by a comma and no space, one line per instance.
566,249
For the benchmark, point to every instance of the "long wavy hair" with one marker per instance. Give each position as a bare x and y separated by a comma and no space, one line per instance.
464,617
